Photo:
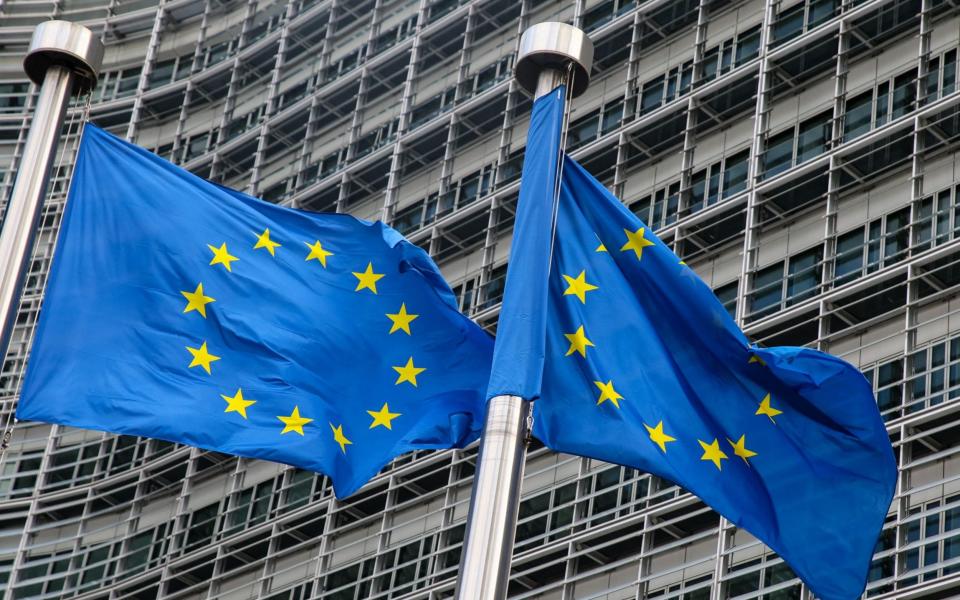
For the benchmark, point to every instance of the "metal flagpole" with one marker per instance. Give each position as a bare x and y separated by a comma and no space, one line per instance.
63,59
548,53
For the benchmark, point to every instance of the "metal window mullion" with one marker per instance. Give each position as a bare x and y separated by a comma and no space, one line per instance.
446,165
902,498
643,563
356,120
390,197
325,547
75,568
230,101
463,62
629,92
449,509
760,115
180,528
689,132
188,89
753,165
313,117
916,163
150,60
326,50
130,528
380,570
303,160
489,254
578,8
25,538
833,179
272,87
24,129
236,486
263,582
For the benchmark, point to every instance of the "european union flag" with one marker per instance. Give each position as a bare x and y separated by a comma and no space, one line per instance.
181,310
645,368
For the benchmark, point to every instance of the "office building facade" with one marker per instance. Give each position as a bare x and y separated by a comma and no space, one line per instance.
800,156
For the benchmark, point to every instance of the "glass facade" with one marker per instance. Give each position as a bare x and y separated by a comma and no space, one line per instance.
800,156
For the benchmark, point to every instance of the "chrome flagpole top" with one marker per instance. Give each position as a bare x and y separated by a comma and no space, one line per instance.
68,45
556,46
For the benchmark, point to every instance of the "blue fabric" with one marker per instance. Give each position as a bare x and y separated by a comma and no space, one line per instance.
820,484
111,351
519,352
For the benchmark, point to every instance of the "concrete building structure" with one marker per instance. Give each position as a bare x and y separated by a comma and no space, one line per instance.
800,156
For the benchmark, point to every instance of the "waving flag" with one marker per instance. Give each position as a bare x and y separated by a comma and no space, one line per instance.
180,310
642,366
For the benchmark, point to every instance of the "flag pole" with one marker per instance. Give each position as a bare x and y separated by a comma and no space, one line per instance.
550,54
64,59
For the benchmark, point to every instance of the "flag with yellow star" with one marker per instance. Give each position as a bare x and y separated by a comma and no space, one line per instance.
181,310
642,366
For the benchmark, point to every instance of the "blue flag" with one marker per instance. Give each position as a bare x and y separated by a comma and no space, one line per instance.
181,310
645,368
519,353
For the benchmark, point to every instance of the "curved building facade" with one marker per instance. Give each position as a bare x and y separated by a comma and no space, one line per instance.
800,156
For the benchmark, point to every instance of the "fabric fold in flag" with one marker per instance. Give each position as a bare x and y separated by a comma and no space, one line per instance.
519,353
645,368
180,310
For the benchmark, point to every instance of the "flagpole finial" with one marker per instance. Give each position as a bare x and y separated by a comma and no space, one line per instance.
557,46
68,45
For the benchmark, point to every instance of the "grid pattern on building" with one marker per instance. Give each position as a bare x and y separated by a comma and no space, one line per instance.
801,156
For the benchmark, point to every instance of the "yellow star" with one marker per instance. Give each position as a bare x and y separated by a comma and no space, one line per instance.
237,403
368,279
740,448
201,357
608,393
578,286
318,253
221,256
408,372
197,301
401,320
636,242
339,438
264,241
601,248
294,422
383,417
766,409
713,453
578,342
658,436
756,359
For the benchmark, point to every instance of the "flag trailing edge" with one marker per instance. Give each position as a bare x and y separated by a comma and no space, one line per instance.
181,310
785,442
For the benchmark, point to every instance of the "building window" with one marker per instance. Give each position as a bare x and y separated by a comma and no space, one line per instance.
727,295
774,290
812,136
804,275
778,156
735,174
748,45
